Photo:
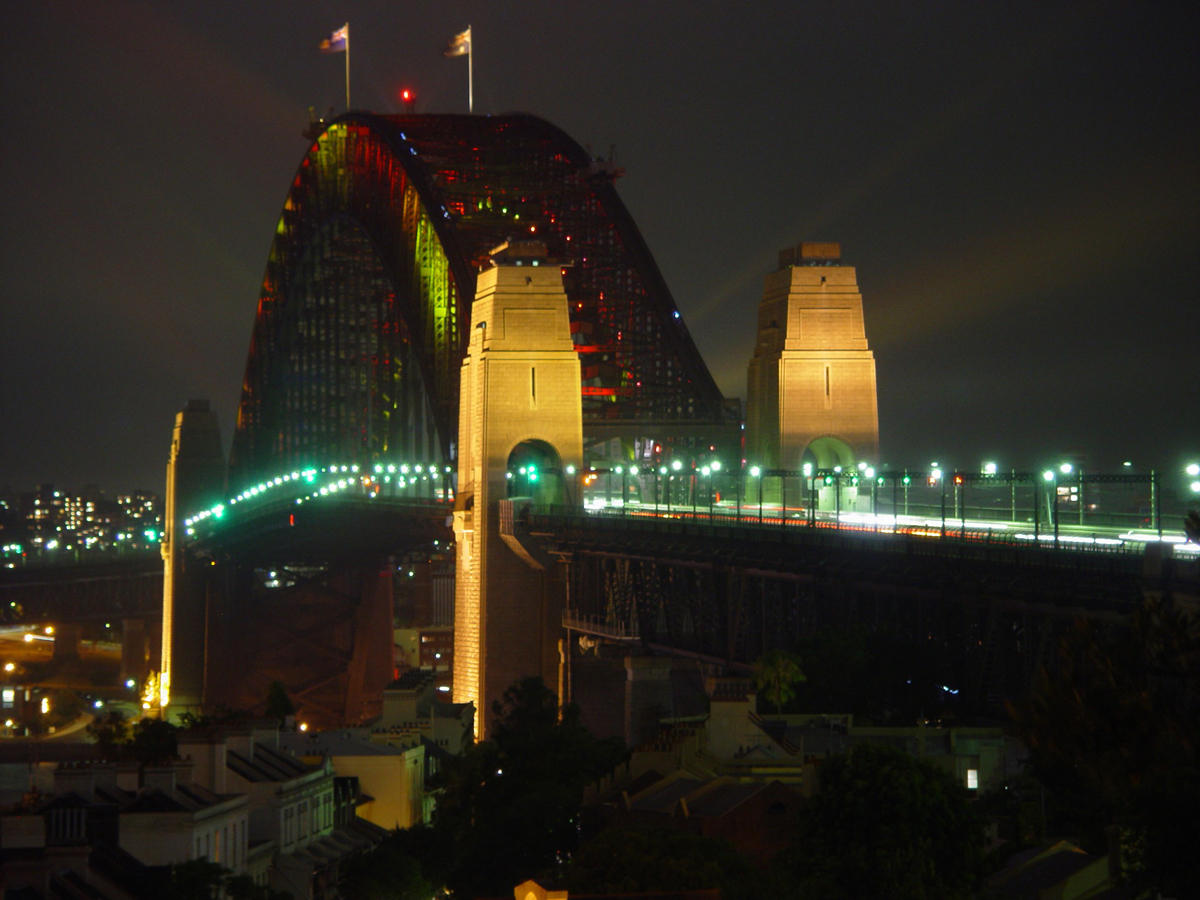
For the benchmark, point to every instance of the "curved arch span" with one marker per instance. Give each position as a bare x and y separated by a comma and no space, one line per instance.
365,305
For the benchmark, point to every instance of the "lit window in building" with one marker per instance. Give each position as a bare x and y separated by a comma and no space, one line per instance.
972,779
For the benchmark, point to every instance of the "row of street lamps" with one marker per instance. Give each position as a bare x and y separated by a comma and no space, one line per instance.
837,477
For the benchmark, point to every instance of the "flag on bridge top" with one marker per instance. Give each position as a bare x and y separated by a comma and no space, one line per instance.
460,45
337,42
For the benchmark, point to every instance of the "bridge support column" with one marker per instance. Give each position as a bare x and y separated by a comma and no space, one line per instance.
811,381
195,478
520,407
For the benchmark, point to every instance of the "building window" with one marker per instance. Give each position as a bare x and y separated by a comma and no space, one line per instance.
972,779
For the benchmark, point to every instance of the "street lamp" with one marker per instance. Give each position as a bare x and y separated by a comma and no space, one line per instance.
807,469
714,467
756,472
935,478
1051,479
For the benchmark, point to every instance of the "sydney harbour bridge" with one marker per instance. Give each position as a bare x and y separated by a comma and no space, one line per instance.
463,346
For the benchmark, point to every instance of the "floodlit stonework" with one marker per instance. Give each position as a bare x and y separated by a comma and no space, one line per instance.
195,477
520,393
811,381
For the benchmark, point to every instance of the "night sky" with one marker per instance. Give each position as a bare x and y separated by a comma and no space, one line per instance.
1016,183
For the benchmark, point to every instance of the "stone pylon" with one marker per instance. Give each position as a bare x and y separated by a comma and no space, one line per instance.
520,415
811,381
195,480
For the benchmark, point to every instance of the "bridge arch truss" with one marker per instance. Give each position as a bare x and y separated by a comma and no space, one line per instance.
365,305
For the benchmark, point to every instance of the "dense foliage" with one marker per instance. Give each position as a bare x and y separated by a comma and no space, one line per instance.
777,674
1114,734
885,825
199,879
150,742
511,805
395,869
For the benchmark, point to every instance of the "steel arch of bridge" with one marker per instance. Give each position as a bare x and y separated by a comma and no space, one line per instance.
362,317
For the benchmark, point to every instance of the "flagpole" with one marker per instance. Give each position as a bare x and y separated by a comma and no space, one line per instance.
347,67
470,70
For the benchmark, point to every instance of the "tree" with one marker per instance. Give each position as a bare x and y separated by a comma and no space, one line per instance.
153,742
777,673
279,705
887,825
393,870
1114,734
110,731
511,805
199,879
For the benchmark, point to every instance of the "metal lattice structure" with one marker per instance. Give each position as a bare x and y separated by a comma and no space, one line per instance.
364,308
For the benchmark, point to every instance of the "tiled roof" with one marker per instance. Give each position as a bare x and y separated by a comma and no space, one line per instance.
266,765
720,800
185,798
665,798
335,743
413,679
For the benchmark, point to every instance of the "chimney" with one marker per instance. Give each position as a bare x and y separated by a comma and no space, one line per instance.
105,775
161,777
127,776
77,777
208,757
240,741
266,732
